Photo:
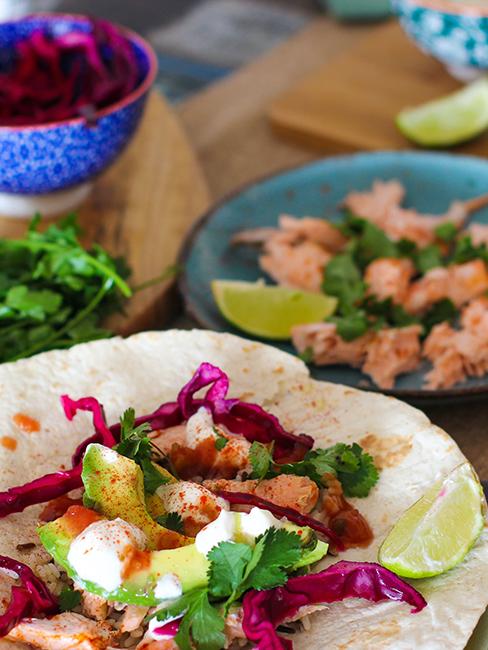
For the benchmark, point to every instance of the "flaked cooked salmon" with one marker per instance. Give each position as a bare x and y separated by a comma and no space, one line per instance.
287,490
382,206
327,347
66,631
392,352
457,354
299,266
389,277
458,282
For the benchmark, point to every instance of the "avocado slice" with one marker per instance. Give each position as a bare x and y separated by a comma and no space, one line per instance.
114,487
188,564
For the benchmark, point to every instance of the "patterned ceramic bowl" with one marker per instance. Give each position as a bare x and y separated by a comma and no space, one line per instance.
454,31
59,158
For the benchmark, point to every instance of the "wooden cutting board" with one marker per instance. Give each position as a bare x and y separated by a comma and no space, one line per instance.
350,104
141,208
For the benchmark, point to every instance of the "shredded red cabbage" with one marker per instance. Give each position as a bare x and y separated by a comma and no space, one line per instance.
248,420
243,498
65,76
33,598
168,629
263,611
102,434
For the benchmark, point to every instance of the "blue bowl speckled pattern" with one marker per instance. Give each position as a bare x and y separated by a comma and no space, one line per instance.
45,158
459,40
432,181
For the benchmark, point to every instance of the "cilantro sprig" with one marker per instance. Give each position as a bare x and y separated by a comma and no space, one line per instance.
352,466
234,569
136,445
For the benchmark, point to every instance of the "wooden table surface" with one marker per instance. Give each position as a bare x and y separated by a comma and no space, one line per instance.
227,126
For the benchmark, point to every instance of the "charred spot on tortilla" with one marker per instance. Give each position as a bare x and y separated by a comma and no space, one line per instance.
388,451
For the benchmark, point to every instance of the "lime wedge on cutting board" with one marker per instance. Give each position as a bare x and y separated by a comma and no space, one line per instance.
269,311
436,533
449,120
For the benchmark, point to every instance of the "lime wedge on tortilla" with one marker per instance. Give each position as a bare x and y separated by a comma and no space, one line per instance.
449,120
436,533
269,311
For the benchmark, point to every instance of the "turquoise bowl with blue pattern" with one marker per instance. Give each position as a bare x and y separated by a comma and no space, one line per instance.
47,158
455,32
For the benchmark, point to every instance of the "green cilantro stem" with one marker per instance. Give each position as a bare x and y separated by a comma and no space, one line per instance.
100,266
168,273
80,316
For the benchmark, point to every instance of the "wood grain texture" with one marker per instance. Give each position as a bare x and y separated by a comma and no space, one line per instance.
351,103
141,208
227,124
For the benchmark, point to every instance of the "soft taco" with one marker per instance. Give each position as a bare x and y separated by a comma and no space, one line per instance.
197,490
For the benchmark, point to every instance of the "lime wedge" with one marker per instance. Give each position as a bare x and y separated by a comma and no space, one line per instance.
449,120
435,534
269,311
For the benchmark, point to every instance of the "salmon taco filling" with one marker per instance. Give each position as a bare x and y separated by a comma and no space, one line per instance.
199,525
411,288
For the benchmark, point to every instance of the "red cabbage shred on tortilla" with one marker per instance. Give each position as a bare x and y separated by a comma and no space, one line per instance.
32,598
55,78
264,611
244,498
249,420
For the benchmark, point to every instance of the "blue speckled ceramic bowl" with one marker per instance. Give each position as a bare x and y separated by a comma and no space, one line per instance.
317,189
456,33
49,157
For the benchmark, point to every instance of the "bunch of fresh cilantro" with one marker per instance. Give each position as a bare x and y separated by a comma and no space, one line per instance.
352,466
358,312
234,569
53,292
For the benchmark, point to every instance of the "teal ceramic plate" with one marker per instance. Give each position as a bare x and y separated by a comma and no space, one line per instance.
432,181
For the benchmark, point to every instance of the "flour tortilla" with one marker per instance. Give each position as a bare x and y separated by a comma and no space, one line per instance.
150,368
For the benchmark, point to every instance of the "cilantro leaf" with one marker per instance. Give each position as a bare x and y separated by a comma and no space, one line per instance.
357,476
343,279
466,251
353,467
152,476
307,355
427,258
275,551
171,521
127,428
441,311
446,232
202,625
207,625
260,458
220,440
352,326
228,561
69,599
135,444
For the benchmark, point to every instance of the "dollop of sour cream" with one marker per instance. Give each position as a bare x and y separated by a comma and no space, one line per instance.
235,526
168,587
98,553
